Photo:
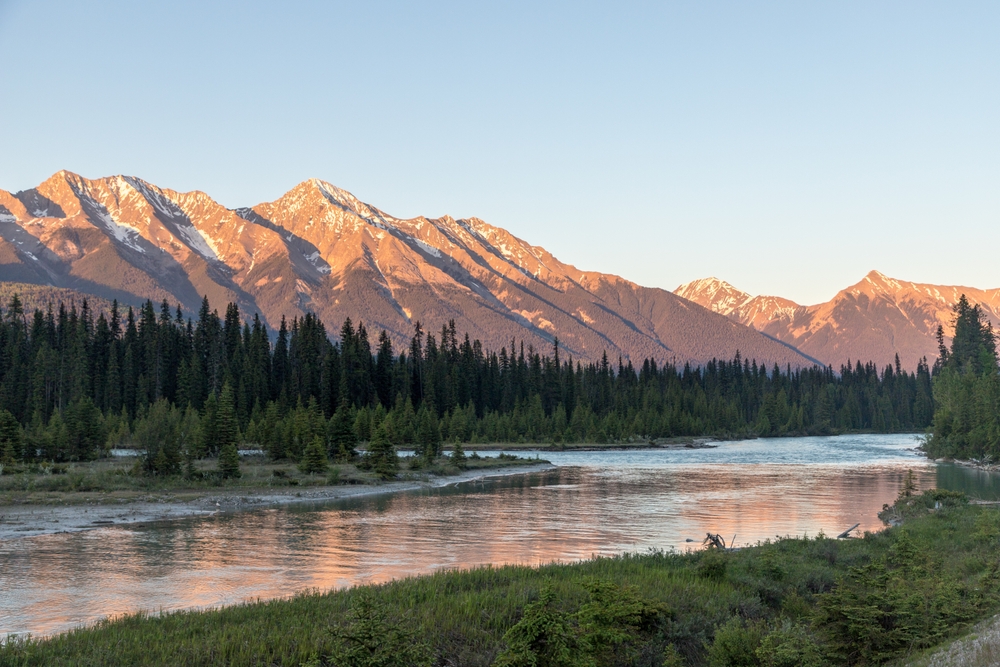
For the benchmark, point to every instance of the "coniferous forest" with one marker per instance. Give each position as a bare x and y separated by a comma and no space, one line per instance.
73,384
967,389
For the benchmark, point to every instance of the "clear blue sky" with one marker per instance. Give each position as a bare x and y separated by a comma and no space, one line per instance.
785,147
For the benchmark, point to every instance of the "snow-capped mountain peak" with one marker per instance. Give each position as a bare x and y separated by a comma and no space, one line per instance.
714,294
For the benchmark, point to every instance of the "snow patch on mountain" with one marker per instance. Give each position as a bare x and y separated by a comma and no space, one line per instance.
200,243
345,200
169,211
126,234
316,260
429,249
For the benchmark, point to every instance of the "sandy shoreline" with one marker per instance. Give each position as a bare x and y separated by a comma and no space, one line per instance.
31,520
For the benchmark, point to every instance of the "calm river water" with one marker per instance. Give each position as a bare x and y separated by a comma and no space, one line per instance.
593,503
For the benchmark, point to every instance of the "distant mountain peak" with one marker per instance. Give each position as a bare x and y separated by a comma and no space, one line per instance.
874,319
721,297
715,294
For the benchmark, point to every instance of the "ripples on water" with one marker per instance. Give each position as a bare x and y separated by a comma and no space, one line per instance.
594,503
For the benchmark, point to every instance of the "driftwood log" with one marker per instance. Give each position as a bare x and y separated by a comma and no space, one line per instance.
715,541
847,533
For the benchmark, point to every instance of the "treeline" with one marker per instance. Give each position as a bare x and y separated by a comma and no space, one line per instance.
967,389
72,384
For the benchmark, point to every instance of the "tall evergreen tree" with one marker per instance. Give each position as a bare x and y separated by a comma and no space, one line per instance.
381,455
314,458
226,434
158,434
343,440
11,438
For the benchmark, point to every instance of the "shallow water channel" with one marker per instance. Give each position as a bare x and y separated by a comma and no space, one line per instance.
592,503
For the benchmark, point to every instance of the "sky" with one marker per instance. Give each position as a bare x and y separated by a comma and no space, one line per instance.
785,147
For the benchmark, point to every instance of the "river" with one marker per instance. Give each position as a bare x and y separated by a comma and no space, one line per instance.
592,503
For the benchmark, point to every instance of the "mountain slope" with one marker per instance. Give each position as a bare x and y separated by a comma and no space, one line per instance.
320,249
875,319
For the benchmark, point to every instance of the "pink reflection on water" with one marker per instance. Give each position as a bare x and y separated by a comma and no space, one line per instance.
56,582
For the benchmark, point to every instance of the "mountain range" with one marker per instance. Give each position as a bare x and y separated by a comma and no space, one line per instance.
319,249
872,320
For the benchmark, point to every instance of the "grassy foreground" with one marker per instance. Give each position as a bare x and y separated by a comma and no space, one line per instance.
797,601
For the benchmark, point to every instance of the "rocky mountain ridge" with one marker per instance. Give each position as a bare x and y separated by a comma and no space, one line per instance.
320,249
874,319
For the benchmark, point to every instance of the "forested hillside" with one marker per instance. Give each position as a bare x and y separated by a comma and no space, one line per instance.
72,384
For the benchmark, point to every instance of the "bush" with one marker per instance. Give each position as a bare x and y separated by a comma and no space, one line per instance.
789,645
736,643
370,639
712,564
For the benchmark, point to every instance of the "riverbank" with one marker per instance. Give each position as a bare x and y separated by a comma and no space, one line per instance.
680,442
40,511
809,602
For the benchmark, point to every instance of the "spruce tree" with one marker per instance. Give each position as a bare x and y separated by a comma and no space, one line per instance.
381,455
158,434
314,458
226,434
458,456
226,430
428,434
11,438
85,430
343,440
229,462
274,433
209,421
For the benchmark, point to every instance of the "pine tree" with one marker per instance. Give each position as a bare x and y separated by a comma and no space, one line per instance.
381,455
428,434
314,458
85,430
226,430
274,440
226,434
11,438
157,433
458,456
209,423
343,440
229,462
190,439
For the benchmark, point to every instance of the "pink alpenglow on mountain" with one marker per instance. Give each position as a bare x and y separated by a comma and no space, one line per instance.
320,249
873,320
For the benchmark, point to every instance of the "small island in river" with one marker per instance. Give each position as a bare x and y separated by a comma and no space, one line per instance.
77,496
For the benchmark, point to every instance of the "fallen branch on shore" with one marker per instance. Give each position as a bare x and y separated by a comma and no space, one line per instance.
714,541
847,533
